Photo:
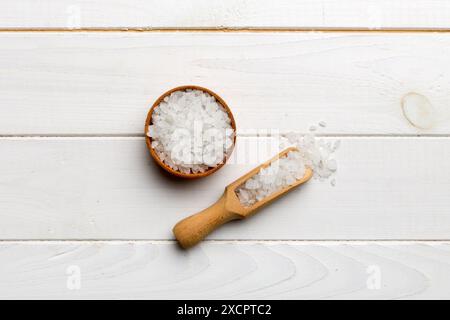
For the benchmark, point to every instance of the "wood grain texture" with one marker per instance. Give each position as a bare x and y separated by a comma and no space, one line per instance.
366,14
225,271
104,83
109,188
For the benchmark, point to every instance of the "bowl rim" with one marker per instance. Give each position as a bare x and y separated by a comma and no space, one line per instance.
156,158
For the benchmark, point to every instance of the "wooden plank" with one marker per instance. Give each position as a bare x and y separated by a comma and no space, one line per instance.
84,270
104,83
366,14
108,188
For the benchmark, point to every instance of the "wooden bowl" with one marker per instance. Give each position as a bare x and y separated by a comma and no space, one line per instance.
148,140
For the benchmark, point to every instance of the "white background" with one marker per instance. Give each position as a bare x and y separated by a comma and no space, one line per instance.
85,213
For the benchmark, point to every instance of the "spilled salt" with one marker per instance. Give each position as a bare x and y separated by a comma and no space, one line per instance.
318,154
315,153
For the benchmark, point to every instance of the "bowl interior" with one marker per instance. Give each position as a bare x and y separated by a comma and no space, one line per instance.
155,156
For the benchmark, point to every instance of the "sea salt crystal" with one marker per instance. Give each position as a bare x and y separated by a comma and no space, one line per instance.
332,164
336,145
278,175
191,131
317,154
151,131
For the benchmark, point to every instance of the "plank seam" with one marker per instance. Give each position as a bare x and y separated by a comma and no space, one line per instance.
141,136
266,242
229,29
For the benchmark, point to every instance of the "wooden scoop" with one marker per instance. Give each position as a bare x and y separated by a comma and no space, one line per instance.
193,229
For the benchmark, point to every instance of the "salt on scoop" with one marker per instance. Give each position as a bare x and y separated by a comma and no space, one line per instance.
281,173
191,131
312,152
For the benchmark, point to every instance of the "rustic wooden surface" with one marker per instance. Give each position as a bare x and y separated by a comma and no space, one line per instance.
79,192
216,270
109,188
173,14
104,83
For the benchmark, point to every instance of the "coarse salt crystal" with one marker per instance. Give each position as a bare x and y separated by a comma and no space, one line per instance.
317,154
191,131
333,182
280,173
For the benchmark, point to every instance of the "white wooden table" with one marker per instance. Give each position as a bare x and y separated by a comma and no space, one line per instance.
84,213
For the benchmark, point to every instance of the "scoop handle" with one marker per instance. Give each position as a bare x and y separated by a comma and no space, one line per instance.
193,229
